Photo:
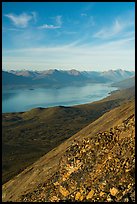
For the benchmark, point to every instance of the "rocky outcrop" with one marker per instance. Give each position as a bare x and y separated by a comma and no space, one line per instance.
99,167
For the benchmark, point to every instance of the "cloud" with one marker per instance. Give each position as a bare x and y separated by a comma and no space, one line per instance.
114,54
78,48
116,28
12,29
119,26
58,20
69,32
83,14
34,14
21,20
46,26
90,21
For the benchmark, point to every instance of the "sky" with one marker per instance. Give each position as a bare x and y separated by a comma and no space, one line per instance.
68,35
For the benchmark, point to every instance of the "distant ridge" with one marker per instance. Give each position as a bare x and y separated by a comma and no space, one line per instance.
117,75
126,83
58,78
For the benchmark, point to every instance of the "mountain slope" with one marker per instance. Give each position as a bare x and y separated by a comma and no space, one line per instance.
95,169
10,78
51,78
127,83
117,75
33,133
101,146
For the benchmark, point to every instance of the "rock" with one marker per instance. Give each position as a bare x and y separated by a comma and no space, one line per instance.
109,157
77,161
126,200
133,196
127,170
77,196
90,194
54,198
81,197
113,191
82,151
65,176
101,193
56,183
109,199
63,191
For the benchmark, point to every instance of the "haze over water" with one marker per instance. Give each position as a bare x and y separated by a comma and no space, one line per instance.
24,99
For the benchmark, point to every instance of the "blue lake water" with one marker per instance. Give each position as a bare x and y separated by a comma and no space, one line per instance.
24,99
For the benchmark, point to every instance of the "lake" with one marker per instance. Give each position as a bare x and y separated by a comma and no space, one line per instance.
24,99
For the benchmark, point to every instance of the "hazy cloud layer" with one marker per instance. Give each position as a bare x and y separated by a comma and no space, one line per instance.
57,35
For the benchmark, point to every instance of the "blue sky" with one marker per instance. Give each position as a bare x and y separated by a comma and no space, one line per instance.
69,35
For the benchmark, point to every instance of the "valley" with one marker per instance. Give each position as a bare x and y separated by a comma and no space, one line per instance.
33,133
105,140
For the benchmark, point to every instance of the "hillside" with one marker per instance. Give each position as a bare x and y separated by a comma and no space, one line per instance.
96,164
127,83
33,133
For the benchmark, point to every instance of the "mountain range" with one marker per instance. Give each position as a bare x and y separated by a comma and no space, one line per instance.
57,78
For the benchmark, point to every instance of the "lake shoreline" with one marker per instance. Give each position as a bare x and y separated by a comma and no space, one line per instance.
70,103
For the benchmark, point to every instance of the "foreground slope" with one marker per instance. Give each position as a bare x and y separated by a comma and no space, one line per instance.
96,164
33,133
